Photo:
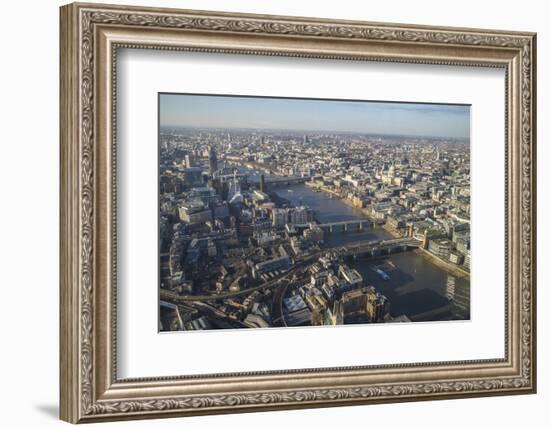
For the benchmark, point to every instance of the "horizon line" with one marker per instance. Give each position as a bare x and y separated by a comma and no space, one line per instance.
313,131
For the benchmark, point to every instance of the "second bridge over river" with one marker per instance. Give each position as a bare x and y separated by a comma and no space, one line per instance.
342,226
378,247
354,224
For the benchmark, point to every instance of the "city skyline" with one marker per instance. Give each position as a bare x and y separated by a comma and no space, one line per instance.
276,228
319,115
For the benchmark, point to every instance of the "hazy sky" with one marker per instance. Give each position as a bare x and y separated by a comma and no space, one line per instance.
322,115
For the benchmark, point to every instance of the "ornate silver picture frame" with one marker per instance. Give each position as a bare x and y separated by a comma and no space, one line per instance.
91,36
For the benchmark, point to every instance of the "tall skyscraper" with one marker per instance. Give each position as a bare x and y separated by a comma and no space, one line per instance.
262,183
189,161
234,186
212,160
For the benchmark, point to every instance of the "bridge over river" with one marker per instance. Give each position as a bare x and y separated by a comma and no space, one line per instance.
365,248
358,224
377,247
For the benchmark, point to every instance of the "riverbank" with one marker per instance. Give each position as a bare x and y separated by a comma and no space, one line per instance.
447,266
419,282
394,232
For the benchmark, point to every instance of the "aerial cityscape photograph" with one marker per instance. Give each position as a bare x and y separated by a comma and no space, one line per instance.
279,212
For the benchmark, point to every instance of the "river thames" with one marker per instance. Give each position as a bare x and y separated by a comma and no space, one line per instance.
416,287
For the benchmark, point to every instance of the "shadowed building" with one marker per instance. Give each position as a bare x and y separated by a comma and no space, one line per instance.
212,160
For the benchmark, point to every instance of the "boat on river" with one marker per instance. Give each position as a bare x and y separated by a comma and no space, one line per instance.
381,273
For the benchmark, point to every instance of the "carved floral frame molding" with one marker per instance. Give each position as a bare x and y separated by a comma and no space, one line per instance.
90,390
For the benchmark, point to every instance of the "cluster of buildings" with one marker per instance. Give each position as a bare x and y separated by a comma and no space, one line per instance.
257,260
415,189
334,295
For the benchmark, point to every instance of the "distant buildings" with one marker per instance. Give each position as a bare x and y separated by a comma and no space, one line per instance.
224,232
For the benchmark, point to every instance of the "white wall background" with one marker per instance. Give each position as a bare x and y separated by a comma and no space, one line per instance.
29,170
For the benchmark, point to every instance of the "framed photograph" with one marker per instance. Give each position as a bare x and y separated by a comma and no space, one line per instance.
266,212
